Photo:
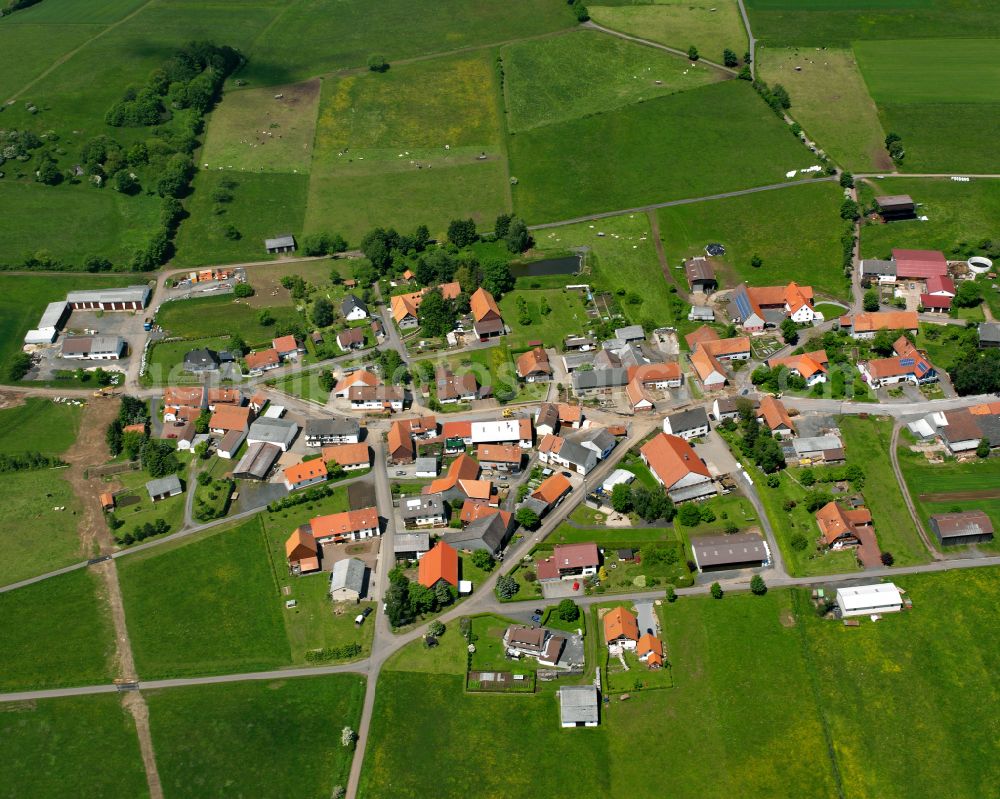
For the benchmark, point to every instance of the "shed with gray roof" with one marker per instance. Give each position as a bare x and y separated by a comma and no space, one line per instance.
163,487
348,580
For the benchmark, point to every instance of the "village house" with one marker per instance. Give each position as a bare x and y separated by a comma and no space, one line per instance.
230,417
534,642
227,446
349,457
568,454
708,369
177,398
352,525
223,396
462,482
201,361
504,431
302,552
93,348
405,308
305,474
552,490
353,338
288,348
377,398
411,546
500,457
638,396
486,318
263,361
675,465
649,650
335,430
569,562
810,366
773,414
533,366
768,306
908,365
452,388
866,325
843,529
688,424
424,510
489,532
621,629
658,375
353,309
361,377
440,564
546,419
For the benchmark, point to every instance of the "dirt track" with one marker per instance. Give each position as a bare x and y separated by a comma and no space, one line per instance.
960,496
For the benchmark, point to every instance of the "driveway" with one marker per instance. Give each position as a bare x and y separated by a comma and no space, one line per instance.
646,615
713,450
561,589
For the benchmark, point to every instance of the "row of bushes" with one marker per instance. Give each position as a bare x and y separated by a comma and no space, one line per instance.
301,498
333,653
26,461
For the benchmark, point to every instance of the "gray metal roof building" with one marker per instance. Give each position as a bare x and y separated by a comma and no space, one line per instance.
257,461
490,533
579,706
348,579
965,527
168,486
406,543
739,551
598,379
130,296
267,430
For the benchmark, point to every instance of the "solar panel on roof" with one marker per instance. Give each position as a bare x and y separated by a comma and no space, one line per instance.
906,361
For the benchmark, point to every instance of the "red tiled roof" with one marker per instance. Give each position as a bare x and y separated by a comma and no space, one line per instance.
672,458
440,563
305,471
552,488
340,524
482,305
620,623
919,263
258,360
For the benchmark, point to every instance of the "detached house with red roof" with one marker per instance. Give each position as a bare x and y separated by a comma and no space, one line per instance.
649,650
621,629
486,318
263,361
305,474
675,465
908,365
847,529
462,482
288,348
769,306
302,552
812,367
362,377
351,525
772,413
569,562
440,564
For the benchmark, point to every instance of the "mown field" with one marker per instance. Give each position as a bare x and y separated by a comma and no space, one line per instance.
31,498
81,746
288,735
710,26
566,316
924,478
663,149
567,77
795,231
264,205
56,633
221,314
724,655
867,442
404,146
832,23
205,606
831,102
957,213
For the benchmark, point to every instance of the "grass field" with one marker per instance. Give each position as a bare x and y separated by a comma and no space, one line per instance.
210,316
23,299
833,23
930,71
796,232
622,260
29,49
167,357
567,316
572,76
401,148
82,746
710,26
205,606
905,661
90,222
831,102
803,747
943,478
29,500
288,734
663,149
310,37
171,510
957,212
264,205
867,443
39,425
56,633
255,129
943,137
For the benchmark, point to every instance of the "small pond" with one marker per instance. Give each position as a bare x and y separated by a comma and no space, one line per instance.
569,265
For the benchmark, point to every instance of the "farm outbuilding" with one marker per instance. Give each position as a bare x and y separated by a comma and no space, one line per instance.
863,600
280,244
896,207
962,528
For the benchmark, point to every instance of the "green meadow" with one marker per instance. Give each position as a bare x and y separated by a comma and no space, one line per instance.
709,25
795,231
572,76
664,149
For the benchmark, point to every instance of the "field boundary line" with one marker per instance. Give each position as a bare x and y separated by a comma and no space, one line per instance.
642,209
67,56
591,25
